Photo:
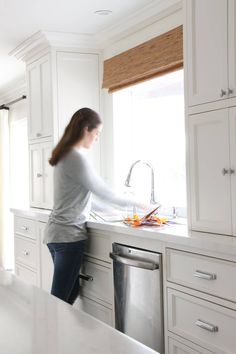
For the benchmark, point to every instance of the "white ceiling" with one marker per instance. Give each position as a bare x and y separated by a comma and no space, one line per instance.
19,19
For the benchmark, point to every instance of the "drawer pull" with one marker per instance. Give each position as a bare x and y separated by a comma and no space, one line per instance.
86,277
204,275
207,326
24,228
26,253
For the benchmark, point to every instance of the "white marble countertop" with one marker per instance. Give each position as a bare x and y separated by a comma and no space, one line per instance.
35,322
178,235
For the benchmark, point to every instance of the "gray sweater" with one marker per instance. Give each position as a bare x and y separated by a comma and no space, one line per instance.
74,181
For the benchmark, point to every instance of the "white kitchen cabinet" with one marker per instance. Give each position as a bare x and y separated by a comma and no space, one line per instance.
210,50
93,308
41,175
46,264
77,84
211,171
26,250
207,324
176,347
96,292
39,82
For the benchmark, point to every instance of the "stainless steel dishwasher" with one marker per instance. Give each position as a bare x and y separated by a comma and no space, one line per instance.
138,294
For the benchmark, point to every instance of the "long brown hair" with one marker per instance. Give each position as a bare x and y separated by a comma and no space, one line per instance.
74,132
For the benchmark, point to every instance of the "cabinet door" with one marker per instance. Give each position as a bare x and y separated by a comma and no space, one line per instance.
78,84
46,264
34,101
40,98
36,175
232,120
232,47
46,96
206,49
209,167
47,185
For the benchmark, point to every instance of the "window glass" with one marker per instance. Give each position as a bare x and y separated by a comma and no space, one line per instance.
149,125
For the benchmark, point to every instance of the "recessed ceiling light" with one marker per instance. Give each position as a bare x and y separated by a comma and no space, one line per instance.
103,12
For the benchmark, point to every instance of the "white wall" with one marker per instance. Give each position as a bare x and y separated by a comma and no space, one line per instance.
163,25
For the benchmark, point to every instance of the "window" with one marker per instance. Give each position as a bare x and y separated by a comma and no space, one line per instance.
149,125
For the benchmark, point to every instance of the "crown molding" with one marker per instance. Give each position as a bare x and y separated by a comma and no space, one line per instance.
13,90
43,41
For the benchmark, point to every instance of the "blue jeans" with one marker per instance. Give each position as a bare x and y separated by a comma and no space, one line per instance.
67,258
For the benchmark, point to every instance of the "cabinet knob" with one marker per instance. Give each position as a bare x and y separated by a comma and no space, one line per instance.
25,253
38,135
222,93
231,171
225,171
230,91
39,175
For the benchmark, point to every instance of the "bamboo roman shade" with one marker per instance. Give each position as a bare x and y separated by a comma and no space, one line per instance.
155,57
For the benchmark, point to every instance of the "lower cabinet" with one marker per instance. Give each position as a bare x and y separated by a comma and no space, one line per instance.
95,309
176,347
33,264
200,303
46,264
27,275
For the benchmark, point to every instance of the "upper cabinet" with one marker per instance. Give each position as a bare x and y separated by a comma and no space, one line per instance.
39,83
210,47
77,84
60,80
212,170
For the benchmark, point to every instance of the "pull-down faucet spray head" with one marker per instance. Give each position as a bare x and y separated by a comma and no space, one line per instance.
127,181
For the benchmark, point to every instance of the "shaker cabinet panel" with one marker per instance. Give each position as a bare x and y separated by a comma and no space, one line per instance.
206,49
40,98
47,187
210,172
36,174
41,176
232,122
232,47
77,84
34,105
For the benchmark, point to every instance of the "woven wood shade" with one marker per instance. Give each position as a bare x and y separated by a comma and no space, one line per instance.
155,57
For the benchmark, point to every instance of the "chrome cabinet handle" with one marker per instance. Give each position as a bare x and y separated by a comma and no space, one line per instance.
86,277
134,262
24,228
204,275
39,175
25,253
207,326
222,93
230,91
225,171
38,135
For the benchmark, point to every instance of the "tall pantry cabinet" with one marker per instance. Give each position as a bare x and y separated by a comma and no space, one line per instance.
210,84
59,82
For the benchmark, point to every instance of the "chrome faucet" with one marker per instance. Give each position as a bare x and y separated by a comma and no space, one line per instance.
127,181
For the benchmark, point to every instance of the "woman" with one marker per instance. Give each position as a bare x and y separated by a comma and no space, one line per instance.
74,181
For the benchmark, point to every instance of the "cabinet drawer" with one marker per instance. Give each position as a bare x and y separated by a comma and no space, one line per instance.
207,274
99,284
25,227
26,275
204,323
95,309
25,252
98,246
176,347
